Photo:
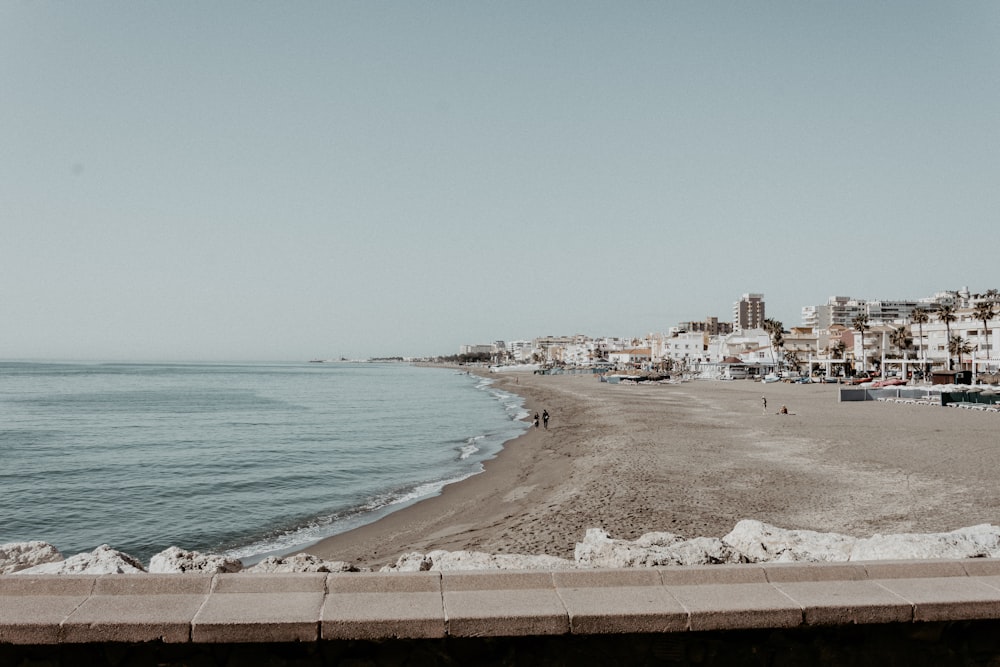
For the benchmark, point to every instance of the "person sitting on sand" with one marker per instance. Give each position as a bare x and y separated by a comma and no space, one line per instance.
783,410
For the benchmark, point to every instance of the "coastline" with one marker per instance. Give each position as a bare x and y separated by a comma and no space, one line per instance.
694,459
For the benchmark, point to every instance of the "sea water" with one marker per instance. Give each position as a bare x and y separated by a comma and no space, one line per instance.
243,459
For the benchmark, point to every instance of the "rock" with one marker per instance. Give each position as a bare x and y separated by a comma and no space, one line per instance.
758,542
475,560
15,556
984,535
974,542
102,560
409,562
749,542
302,563
650,550
174,560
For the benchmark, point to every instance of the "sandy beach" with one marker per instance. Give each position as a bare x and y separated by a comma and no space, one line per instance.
693,459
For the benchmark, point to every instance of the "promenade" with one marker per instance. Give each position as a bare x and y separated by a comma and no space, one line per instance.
900,613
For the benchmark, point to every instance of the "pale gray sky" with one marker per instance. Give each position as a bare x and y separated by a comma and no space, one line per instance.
231,180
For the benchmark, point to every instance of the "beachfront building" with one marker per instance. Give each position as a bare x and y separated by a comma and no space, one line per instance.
582,353
751,346
475,350
801,345
519,351
843,309
632,359
983,355
748,312
603,347
837,310
710,325
684,350
870,346
549,349
577,350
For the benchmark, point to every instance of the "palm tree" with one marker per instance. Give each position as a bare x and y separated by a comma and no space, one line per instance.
946,314
792,359
985,311
860,324
900,337
958,346
919,316
775,329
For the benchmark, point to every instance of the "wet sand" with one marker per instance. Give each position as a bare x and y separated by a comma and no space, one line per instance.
695,458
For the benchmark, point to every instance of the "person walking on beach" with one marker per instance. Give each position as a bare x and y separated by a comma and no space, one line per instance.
763,400
545,418
536,420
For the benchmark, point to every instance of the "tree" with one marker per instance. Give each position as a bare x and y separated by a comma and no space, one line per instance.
860,324
985,311
901,339
920,316
837,349
776,330
946,313
793,361
958,346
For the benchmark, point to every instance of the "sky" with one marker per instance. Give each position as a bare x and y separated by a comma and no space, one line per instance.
296,180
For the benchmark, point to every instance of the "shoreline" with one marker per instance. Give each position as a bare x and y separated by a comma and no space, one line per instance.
694,459
378,542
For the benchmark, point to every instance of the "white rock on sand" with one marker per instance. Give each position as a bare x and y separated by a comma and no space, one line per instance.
102,560
174,560
758,542
302,563
16,556
650,550
749,542
982,541
474,560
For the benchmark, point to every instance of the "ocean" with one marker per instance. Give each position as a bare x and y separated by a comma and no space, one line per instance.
243,459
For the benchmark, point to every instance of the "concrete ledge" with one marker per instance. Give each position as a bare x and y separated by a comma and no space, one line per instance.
376,606
138,608
261,608
499,604
274,609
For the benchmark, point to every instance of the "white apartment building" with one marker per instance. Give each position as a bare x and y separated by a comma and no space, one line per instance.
837,310
635,358
843,309
684,348
475,349
519,350
751,346
579,354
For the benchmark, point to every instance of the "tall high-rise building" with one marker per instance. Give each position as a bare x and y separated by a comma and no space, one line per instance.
748,312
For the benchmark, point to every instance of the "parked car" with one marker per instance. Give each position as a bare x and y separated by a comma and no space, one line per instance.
888,382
